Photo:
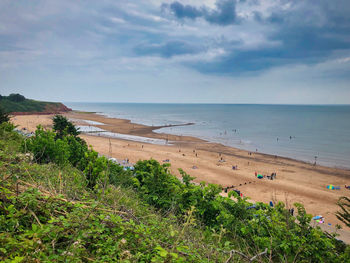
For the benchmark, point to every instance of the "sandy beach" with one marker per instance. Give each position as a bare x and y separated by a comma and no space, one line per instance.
296,181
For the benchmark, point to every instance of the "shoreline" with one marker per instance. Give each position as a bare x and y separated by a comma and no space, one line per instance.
164,135
187,138
297,181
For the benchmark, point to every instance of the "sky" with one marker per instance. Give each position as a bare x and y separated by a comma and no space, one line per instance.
183,51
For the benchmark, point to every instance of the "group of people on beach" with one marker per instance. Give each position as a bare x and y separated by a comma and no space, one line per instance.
270,177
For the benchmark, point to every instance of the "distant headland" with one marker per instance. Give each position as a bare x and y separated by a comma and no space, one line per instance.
17,104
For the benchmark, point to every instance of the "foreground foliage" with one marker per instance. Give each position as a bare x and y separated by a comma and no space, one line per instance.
4,117
49,214
63,202
344,214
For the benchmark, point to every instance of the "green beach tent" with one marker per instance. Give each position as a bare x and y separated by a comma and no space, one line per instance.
331,187
260,176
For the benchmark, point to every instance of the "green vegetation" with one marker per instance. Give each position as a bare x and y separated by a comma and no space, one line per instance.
63,127
18,103
4,117
344,214
61,202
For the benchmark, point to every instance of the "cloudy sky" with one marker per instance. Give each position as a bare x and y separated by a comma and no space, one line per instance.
216,51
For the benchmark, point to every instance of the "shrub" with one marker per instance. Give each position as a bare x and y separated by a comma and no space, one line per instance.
77,149
288,238
46,148
118,176
94,167
4,117
63,127
344,214
63,147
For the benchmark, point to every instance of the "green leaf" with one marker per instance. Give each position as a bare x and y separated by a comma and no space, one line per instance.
17,260
161,251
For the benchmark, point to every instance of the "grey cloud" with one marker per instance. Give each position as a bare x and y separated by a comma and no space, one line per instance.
224,14
185,11
307,33
167,49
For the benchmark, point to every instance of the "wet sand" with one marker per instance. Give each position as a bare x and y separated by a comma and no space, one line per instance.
296,181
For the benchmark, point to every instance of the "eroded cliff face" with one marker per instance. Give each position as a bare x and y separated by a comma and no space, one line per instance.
56,108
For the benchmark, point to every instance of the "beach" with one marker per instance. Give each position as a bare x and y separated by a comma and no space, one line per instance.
296,181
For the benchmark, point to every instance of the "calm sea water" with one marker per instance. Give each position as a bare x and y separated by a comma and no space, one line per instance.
297,131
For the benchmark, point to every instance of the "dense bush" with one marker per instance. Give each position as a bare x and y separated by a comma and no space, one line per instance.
77,150
288,238
46,148
62,146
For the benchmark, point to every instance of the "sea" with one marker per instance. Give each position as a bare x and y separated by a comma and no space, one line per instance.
308,133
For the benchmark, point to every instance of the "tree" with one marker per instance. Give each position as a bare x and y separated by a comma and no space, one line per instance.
4,117
16,97
344,214
64,127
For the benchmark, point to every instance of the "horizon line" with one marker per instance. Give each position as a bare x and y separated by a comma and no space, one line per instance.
216,103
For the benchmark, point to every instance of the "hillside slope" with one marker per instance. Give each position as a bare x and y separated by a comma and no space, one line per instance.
18,104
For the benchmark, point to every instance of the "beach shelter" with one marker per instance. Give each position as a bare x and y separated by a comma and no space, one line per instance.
260,176
317,217
331,187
